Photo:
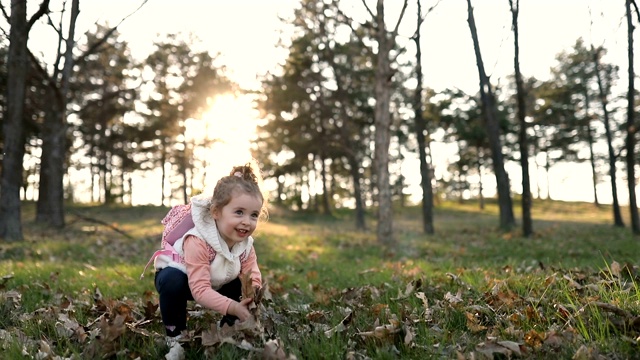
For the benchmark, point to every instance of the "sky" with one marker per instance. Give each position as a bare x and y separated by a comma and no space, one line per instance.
245,33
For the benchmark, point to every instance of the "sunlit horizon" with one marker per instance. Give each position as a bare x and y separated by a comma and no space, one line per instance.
221,139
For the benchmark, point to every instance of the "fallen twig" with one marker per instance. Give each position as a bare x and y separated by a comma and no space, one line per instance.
114,228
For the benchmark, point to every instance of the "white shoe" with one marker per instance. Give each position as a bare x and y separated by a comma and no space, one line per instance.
172,340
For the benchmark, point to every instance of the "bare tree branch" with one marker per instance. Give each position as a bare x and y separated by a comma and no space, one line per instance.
635,6
106,36
404,8
347,21
4,12
364,2
423,18
44,9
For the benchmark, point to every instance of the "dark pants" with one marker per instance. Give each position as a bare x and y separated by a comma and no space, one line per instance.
173,287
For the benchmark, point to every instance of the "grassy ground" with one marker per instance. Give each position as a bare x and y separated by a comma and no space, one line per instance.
467,292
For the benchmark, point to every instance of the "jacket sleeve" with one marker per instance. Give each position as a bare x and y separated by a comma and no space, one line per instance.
196,257
250,265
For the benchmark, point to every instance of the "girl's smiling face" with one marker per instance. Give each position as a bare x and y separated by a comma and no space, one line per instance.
237,220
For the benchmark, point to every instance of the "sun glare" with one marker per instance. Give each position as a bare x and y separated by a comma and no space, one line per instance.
225,133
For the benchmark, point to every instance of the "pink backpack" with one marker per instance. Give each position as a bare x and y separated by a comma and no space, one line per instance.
176,223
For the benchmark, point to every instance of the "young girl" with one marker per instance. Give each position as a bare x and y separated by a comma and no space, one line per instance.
214,252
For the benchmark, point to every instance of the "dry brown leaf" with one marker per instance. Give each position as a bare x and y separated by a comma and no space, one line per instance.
572,282
409,335
532,313
425,302
616,269
150,309
248,290
409,289
534,339
342,326
44,351
123,309
212,336
111,330
473,323
564,312
273,350
377,309
315,316
505,348
383,332
515,347
67,327
12,296
586,353
453,299
550,280
554,340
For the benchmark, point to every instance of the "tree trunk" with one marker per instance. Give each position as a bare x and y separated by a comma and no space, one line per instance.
382,121
547,169
13,130
481,185
130,182
507,219
631,129
106,179
326,194
357,191
527,222
351,153
51,197
163,177
592,158
50,208
617,216
421,133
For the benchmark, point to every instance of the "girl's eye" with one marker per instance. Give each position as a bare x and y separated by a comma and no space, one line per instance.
254,215
238,212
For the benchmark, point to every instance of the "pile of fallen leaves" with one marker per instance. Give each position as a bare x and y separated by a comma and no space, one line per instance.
422,318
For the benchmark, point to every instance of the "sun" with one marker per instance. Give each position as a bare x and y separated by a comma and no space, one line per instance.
223,135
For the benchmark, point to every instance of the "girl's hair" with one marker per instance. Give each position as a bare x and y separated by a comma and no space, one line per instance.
246,178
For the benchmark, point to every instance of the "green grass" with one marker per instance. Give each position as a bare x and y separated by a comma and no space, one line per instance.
569,290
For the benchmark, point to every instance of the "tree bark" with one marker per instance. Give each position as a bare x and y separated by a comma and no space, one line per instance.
326,194
50,209
354,165
421,133
507,219
617,215
480,184
51,196
527,222
384,74
13,130
592,158
631,128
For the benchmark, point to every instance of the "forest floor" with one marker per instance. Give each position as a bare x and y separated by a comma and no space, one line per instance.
469,291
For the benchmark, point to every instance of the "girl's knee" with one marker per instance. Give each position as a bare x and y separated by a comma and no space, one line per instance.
171,280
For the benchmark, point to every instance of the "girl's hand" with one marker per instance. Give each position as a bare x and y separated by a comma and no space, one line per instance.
240,309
